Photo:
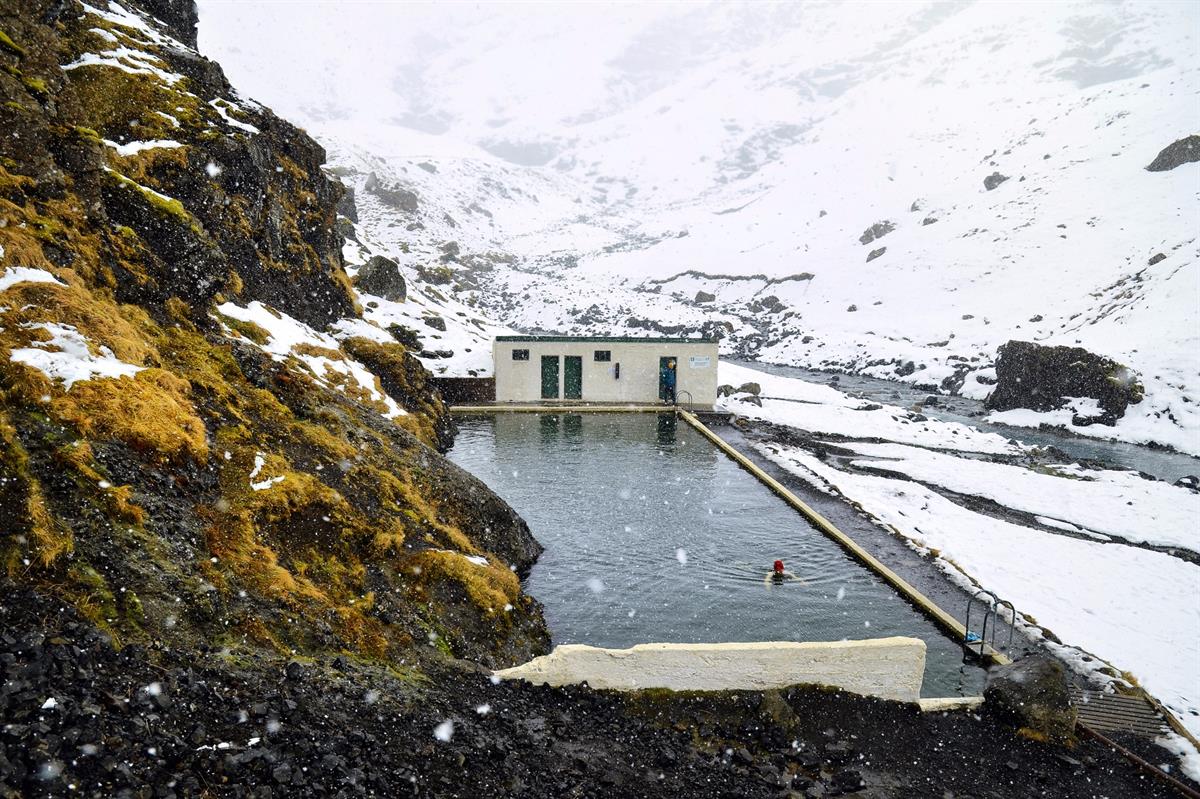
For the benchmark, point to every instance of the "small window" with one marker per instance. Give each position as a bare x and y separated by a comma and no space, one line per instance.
602,355
520,355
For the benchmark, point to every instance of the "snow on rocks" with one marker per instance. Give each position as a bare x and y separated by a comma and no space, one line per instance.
262,485
1117,503
68,356
135,147
290,338
822,409
24,274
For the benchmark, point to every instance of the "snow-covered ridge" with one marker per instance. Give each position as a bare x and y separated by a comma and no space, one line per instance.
991,158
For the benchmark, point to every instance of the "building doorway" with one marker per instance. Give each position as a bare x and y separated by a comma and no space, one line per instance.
573,377
668,373
549,377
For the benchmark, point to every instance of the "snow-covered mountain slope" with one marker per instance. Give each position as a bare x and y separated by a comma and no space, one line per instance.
890,189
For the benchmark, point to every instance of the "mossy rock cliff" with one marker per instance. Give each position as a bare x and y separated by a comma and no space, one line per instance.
186,482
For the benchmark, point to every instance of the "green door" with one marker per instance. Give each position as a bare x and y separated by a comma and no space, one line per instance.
573,377
549,377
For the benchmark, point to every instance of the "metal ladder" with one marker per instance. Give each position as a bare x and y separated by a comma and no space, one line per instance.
976,644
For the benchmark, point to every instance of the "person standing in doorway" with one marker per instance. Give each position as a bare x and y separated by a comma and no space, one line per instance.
669,381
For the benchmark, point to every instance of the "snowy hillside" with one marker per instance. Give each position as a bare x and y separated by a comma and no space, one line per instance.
896,198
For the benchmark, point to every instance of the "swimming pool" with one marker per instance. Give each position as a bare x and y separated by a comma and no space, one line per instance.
652,534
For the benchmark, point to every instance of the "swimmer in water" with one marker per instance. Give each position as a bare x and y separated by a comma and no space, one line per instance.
778,576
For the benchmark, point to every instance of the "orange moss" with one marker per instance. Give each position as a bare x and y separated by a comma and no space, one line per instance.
489,587
25,505
150,412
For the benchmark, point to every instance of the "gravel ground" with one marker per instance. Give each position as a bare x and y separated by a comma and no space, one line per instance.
83,718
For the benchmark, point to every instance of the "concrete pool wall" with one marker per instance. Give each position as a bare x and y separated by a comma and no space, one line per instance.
888,668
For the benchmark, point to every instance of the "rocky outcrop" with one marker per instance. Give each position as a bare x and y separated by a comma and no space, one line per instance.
1177,153
704,296
1042,378
873,254
218,491
993,180
1032,695
877,231
381,276
397,197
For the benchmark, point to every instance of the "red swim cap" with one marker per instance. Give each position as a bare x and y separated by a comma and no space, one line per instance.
779,565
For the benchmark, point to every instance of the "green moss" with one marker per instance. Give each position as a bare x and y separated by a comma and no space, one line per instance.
248,329
90,593
8,44
134,613
36,86
165,206
86,134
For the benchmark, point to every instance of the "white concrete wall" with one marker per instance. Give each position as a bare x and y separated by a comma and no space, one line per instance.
521,381
889,668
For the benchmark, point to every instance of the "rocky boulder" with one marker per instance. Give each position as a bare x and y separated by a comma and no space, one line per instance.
877,231
397,197
381,276
1184,151
1032,694
1042,378
993,180
704,296
873,254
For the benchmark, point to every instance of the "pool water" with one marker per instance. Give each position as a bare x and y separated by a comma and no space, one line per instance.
652,534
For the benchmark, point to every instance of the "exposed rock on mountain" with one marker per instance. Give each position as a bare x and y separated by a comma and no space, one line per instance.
993,180
1178,153
381,276
877,231
1045,378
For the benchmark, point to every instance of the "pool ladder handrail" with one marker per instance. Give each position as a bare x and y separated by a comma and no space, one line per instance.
690,400
992,605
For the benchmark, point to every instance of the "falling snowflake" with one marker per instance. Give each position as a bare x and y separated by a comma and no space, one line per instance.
444,731
483,709
681,556
595,585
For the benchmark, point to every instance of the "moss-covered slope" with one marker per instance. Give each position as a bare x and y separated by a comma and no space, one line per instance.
177,473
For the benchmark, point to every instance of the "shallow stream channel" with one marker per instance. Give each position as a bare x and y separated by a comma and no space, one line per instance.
654,535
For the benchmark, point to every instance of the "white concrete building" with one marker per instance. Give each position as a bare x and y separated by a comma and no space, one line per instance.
606,370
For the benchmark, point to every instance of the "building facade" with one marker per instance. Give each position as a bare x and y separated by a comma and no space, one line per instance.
606,369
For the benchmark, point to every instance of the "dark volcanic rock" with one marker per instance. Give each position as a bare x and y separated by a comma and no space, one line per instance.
397,197
873,254
381,276
1032,694
1156,258
877,231
993,180
1040,378
1184,151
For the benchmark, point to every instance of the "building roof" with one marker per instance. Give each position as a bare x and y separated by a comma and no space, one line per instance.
609,339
